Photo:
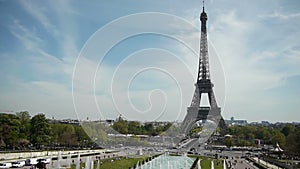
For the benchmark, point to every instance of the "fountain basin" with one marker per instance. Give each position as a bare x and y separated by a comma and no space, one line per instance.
169,162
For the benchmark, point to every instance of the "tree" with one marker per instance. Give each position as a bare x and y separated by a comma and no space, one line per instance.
9,130
121,127
134,127
81,135
195,130
24,116
229,142
64,134
25,125
287,129
292,142
68,136
279,138
40,130
149,128
251,136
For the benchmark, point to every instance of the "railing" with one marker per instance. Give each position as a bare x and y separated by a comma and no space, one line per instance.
258,165
280,164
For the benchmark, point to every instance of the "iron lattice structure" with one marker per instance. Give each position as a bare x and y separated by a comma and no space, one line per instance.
203,85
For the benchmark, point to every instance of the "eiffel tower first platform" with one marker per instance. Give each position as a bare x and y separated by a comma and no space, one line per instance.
196,112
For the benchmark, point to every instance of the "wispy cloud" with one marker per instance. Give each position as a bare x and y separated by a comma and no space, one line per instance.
253,67
278,15
27,37
258,48
37,57
40,12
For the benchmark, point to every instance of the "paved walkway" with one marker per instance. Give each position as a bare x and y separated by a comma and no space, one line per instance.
267,164
240,164
64,162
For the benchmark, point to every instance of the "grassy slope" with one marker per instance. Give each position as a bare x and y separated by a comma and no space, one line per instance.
116,164
130,162
121,164
206,163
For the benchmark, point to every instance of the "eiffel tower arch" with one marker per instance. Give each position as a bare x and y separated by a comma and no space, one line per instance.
196,112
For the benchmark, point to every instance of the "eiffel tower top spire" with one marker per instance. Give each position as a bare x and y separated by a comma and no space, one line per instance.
203,19
203,72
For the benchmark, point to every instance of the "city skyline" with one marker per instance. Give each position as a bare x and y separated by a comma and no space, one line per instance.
254,45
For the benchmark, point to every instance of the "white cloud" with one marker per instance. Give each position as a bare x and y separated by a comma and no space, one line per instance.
278,15
54,99
40,13
27,37
251,69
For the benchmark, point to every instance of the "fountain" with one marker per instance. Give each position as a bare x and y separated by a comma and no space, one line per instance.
69,161
92,163
78,162
98,164
199,163
50,162
59,160
87,163
168,162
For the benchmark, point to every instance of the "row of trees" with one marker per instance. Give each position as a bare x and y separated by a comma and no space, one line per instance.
135,127
287,136
21,131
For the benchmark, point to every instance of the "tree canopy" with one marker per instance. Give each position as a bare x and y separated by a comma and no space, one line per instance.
287,136
135,127
20,131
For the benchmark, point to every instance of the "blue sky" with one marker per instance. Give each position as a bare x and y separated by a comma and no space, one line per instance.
254,52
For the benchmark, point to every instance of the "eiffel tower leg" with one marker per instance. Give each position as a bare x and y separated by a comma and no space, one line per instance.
222,126
212,99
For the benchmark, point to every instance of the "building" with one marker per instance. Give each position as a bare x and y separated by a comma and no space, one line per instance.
233,122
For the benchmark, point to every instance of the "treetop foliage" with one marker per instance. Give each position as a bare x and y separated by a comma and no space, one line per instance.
136,128
287,136
20,131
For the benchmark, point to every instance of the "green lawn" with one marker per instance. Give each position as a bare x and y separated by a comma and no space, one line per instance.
121,164
206,163
124,163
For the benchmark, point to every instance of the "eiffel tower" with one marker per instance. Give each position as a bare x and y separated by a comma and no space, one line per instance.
196,112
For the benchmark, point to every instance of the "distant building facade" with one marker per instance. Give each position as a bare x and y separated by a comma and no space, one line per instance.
233,122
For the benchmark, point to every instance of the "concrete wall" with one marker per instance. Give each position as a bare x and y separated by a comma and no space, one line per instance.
26,155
